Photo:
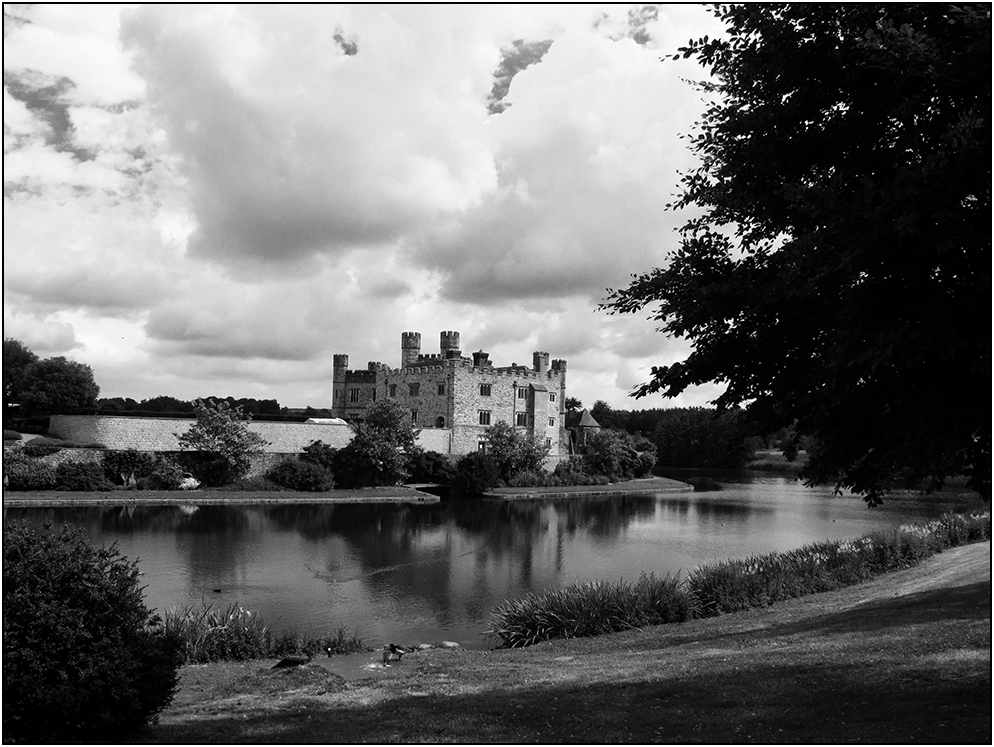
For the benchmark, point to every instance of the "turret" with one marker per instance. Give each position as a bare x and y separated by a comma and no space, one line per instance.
448,343
541,362
341,367
410,348
481,359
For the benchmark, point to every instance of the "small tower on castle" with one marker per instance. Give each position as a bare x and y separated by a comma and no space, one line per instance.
410,348
541,362
448,344
341,367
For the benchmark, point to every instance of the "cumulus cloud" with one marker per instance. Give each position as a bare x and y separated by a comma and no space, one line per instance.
203,195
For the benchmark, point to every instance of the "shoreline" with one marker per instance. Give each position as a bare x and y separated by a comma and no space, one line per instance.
390,494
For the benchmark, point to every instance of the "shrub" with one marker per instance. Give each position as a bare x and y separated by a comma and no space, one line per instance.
21,472
321,454
166,474
83,658
429,466
128,466
81,476
368,460
476,473
11,435
590,608
296,474
37,450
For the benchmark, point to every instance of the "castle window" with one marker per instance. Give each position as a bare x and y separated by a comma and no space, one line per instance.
439,422
552,422
484,390
552,396
522,392
441,389
521,418
481,445
393,390
414,416
548,443
484,417
353,395
414,389
374,395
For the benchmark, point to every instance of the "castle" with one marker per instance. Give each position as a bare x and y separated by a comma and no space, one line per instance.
454,399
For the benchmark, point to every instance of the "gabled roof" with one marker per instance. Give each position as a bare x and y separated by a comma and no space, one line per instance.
581,419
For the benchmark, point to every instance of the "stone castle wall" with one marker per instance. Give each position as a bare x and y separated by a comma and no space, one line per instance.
158,434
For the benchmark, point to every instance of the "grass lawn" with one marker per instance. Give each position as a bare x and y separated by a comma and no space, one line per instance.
904,658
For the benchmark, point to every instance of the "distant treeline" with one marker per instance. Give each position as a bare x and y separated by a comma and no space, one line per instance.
164,406
693,436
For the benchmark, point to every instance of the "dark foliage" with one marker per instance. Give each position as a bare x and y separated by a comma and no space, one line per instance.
319,453
58,385
840,252
699,437
81,476
22,472
83,658
476,473
297,474
17,358
429,467
376,453
127,466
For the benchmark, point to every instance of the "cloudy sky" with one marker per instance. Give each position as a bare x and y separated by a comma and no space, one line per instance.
214,200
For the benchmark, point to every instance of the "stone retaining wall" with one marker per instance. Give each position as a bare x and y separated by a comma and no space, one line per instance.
159,434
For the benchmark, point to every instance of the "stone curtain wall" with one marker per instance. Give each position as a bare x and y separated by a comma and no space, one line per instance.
157,434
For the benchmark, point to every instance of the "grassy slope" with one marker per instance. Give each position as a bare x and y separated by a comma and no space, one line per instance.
904,658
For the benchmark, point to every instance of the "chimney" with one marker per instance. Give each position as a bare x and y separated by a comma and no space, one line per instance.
481,359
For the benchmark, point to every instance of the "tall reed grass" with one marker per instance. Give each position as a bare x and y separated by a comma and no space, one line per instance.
211,633
590,608
595,607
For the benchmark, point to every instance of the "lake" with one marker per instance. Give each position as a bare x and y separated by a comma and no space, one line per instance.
409,573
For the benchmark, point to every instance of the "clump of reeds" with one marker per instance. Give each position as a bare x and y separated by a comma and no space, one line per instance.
211,633
595,607
590,608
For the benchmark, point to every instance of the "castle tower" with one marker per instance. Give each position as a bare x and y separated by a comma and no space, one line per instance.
449,341
541,362
410,348
341,363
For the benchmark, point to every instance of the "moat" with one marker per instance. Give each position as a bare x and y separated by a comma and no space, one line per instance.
409,572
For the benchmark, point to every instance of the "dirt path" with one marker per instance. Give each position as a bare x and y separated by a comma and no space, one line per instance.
904,658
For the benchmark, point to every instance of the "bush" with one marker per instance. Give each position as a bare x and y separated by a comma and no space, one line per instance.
296,474
429,466
166,474
11,435
476,473
37,450
82,476
590,608
83,658
321,454
128,466
21,472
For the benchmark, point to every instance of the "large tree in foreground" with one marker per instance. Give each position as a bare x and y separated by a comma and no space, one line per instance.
837,274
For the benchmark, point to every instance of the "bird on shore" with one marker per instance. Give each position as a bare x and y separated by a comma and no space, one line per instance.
391,650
